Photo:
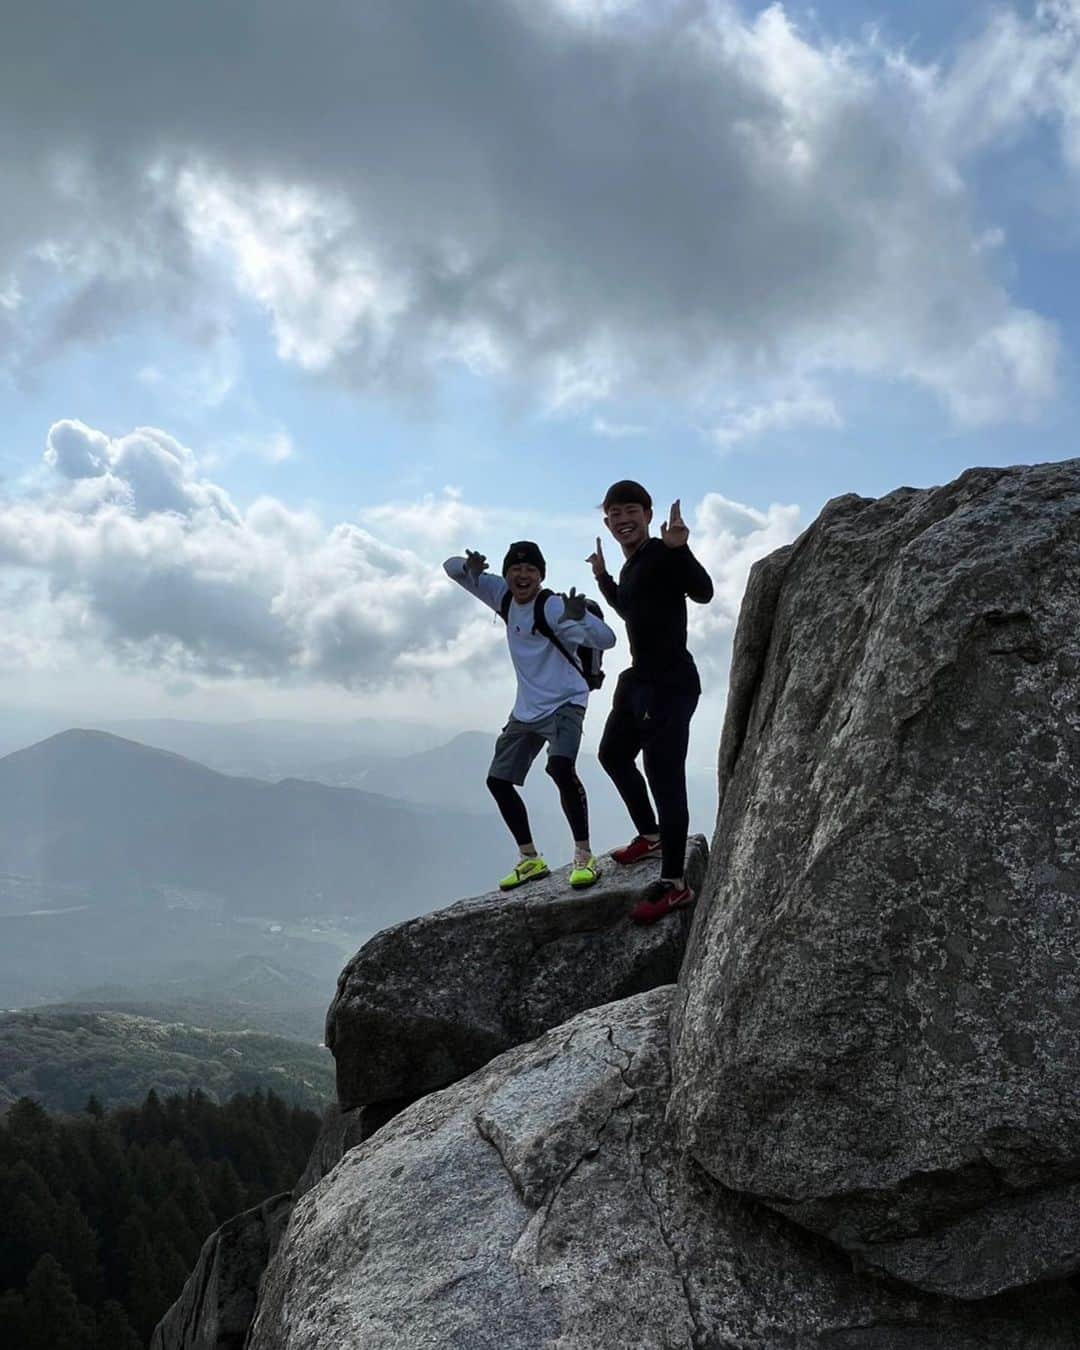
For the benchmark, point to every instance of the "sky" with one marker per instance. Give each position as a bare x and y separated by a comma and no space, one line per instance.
297,300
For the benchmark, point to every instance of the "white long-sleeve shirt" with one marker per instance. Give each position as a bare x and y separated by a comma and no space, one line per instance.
545,678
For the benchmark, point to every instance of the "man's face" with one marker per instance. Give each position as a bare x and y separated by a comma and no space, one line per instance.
629,523
524,581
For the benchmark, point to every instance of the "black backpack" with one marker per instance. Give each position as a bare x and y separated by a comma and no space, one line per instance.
585,660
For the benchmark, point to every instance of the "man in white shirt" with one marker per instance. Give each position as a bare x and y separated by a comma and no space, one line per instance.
553,669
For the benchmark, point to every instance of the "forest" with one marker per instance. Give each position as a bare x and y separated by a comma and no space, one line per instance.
103,1213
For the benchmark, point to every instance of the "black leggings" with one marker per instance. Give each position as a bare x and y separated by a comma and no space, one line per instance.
571,794
657,720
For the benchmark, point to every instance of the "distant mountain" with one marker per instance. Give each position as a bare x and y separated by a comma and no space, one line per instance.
149,875
120,820
250,993
61,1056
138,869
276,748
455,773
420,776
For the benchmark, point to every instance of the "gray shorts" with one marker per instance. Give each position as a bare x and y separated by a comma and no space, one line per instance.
521,742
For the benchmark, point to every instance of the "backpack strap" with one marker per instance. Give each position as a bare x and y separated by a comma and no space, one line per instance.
541,626
540,623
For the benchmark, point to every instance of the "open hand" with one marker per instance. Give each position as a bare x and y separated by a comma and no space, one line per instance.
574,607
475,563
674,531
596,560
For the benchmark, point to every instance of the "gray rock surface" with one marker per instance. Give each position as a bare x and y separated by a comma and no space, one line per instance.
427,1002
215,1309
878,1022
341,1131
539,1203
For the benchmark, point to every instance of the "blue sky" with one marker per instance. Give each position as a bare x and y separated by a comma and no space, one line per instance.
295,304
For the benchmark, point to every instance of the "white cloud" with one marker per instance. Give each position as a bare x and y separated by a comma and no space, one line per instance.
273,446
1019,71
729,538
616,431
438,521
147,557
805,407
445,521
293,251
584,196
131,555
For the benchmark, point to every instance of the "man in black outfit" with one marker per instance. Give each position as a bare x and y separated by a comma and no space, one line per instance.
655,699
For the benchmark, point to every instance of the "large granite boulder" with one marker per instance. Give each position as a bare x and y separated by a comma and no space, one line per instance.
878,1022
215,1309
341,1131
541,1203
428,1001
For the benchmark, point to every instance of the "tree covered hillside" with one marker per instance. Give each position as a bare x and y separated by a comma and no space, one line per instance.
102,1214
61,1058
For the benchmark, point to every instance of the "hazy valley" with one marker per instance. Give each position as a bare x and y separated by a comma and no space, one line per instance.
137,878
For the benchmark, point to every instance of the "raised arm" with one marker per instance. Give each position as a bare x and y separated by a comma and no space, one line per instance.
604,580
694,580
471,575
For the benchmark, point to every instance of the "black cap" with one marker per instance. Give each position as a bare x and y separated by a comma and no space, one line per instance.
525,551
627,493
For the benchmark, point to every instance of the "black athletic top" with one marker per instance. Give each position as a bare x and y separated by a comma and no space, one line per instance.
651,596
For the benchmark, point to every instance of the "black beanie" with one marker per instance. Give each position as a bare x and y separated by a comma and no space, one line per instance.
525,551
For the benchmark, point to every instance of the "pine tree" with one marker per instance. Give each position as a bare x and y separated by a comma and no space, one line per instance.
189,1194
226,1193
170,1223
29,1221
114,1331
12,1319
173,1270
53,1320
77,1251
144,1297
151,1126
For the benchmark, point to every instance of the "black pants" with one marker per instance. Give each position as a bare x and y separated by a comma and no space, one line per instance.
571,794
648,717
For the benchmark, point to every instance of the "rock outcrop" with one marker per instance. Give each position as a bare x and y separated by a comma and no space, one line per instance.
428,1001
854,1123
214,1311
341,1131
878,1023
424,1004
541,1203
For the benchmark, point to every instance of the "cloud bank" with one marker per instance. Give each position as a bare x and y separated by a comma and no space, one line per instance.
144,556
593,200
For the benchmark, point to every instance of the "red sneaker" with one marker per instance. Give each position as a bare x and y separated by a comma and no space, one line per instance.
659,900
639,847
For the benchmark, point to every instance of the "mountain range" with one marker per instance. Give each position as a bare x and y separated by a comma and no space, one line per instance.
122,821
62,1055
132,874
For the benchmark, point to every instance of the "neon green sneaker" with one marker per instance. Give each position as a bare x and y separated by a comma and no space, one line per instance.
528,869
588,874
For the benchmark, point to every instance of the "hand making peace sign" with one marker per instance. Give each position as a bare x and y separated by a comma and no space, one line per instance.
675,531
